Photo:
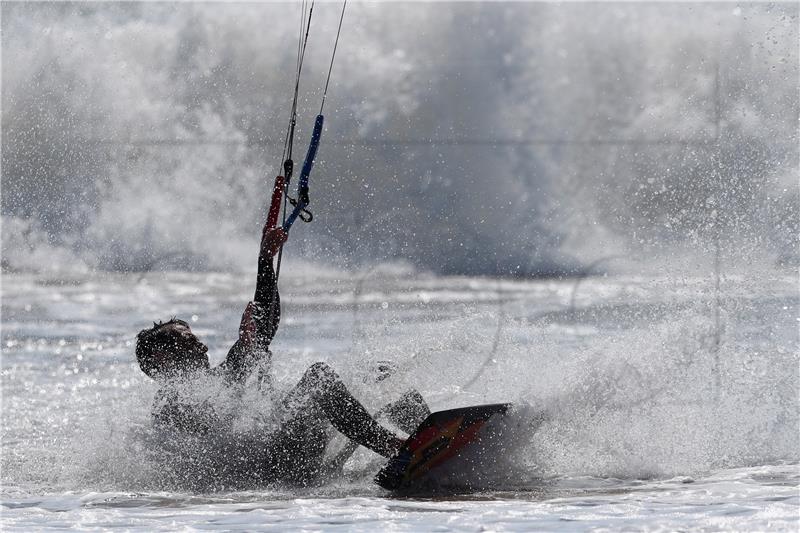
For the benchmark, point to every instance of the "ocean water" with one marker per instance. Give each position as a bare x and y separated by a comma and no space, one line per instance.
569,138
667,405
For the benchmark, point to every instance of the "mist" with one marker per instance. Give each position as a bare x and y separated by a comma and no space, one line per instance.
524,139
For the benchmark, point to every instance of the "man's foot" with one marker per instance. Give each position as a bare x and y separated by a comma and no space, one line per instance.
408,412
381,370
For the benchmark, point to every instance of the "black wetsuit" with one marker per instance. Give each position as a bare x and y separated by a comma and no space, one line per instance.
295,451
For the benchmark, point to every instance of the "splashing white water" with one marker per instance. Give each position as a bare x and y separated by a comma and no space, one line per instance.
138,136
626,383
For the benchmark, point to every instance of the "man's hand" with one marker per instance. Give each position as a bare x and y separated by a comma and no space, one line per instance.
273,239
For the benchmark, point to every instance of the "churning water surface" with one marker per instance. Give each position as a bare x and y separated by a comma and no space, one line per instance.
656,418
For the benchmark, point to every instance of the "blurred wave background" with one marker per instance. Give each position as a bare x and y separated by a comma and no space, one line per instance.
526,139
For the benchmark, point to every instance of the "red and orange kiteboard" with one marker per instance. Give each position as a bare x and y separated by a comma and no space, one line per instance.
440,437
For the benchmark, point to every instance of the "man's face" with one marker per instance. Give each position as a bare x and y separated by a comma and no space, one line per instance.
187,353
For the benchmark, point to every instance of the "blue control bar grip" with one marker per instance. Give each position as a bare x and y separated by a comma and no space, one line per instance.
312,152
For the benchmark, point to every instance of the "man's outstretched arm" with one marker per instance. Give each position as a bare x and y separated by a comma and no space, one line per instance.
266,297
266,282
261,316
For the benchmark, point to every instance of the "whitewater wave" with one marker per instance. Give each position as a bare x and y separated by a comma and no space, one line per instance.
145,136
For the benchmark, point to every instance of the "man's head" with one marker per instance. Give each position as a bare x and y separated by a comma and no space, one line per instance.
170,349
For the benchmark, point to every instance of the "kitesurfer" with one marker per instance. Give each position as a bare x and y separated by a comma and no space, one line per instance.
171,354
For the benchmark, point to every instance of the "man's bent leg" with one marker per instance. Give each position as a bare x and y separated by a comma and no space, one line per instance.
296,452
322,385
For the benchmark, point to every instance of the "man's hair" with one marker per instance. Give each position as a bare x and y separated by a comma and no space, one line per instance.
149,341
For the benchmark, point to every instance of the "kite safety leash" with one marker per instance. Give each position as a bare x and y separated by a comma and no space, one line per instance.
281,185
300,204
282,180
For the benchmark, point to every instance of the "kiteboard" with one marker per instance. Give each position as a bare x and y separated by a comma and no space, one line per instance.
438,439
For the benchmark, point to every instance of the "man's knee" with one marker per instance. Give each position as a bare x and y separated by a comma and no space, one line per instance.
321,371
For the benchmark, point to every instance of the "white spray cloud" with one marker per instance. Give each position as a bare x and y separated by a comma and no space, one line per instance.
471,138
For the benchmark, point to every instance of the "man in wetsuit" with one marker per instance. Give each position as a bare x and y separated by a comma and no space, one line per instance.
171,354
